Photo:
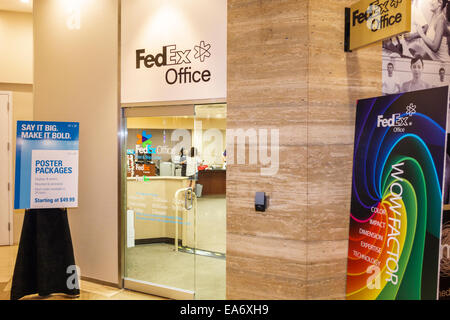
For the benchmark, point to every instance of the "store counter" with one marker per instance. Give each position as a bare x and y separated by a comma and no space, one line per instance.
214,181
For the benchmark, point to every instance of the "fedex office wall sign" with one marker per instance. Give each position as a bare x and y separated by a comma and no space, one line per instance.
173,50
170,56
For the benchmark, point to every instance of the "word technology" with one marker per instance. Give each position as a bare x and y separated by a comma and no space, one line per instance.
375,21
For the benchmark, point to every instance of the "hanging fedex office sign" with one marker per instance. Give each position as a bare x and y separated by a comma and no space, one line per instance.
173,50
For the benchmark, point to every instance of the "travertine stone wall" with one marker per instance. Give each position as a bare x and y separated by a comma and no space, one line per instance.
267,88
287,70
335,81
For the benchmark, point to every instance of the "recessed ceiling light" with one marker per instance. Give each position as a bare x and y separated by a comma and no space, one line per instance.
25,1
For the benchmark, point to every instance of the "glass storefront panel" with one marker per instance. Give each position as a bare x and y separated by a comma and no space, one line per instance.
175,202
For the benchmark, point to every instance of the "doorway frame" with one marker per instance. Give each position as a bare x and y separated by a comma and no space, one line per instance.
10,166
163,108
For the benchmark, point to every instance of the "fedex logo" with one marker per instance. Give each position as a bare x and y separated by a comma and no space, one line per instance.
387,122
395,121
169,56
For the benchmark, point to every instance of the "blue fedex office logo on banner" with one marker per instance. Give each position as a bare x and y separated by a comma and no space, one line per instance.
46,165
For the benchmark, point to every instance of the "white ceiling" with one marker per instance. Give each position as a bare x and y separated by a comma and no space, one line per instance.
16,5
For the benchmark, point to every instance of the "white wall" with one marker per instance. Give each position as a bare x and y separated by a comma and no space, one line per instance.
76,79
16,47
16,75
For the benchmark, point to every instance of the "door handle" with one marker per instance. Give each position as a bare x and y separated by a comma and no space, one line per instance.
186,193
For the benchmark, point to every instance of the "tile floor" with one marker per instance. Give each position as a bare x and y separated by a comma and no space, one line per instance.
207,278
212,223
89,290
159,263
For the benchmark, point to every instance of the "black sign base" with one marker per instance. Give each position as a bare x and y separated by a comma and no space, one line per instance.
45,261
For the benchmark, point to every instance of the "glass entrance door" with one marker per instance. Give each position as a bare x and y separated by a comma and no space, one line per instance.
175,203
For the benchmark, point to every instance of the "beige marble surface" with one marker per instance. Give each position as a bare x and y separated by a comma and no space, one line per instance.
267,89
287,69
335,81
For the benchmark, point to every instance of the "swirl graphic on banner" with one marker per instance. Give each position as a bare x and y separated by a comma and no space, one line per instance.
396,207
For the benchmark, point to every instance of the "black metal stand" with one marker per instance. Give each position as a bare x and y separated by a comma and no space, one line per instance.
45,261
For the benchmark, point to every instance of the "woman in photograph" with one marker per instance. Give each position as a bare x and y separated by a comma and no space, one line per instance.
416,82
433,44
408,44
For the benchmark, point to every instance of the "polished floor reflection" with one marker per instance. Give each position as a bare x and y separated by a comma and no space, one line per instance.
159,263
212,223
89,290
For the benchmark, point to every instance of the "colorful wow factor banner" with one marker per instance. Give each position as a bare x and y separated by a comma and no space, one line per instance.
46,165
396,206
